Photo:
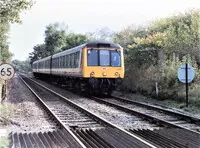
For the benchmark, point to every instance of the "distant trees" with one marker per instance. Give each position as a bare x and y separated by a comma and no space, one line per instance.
22,66
103,33
9,13
57,38
39,51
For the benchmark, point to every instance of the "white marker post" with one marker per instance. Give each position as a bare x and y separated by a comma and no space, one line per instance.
186,74
7,72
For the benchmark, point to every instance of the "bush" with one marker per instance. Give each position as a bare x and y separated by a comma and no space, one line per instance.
143,80
140,80
6,112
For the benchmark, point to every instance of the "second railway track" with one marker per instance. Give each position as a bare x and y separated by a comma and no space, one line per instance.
162,116
179,127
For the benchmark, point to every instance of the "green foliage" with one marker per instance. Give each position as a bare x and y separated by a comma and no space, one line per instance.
144,79
4,29
4,47
10,9
169,73
5,54
57,39
141,80
194,96
73,40
22,66
150,56
141,58
6,112
9,13
38,53
182,31
143,52
125,37
176,34
157,41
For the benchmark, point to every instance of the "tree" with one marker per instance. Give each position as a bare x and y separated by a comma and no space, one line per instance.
23,66
101,34
38,53
57,38
10,10
147,47
9,13
182,31
125,36
73,40
176,34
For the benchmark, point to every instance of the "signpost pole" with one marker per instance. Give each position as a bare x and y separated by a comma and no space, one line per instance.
186,75
186,84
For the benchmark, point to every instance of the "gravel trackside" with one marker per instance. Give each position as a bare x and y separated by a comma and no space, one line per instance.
124,120
28,116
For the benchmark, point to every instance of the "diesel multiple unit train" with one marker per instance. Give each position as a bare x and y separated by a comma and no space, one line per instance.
94,67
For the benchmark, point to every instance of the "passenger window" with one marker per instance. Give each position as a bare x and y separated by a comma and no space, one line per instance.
92,57
65,57
67,60
70,56
77,58
104,58
72,61
115,58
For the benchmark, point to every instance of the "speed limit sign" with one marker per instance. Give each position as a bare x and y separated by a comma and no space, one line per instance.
6,71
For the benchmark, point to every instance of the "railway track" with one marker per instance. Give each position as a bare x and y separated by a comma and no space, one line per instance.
160,115
162,109
187,125
85,128
166,136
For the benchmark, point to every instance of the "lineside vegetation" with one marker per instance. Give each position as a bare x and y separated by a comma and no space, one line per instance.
155,52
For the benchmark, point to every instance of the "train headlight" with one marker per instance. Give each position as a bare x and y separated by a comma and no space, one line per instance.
104,73
116,73
92,73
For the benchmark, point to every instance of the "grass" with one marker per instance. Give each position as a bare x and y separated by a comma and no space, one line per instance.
4,142
6,112
193,106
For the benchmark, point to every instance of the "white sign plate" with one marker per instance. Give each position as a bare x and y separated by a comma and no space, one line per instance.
182,74
7,71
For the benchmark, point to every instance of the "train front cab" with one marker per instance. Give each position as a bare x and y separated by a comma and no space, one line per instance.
104,68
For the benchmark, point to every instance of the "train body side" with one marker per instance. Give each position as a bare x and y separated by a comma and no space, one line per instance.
42,66
96,64
75,63
68,63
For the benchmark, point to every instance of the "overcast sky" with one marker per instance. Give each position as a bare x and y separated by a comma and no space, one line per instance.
83,16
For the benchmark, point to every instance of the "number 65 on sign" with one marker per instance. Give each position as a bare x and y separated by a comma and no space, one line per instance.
6,71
